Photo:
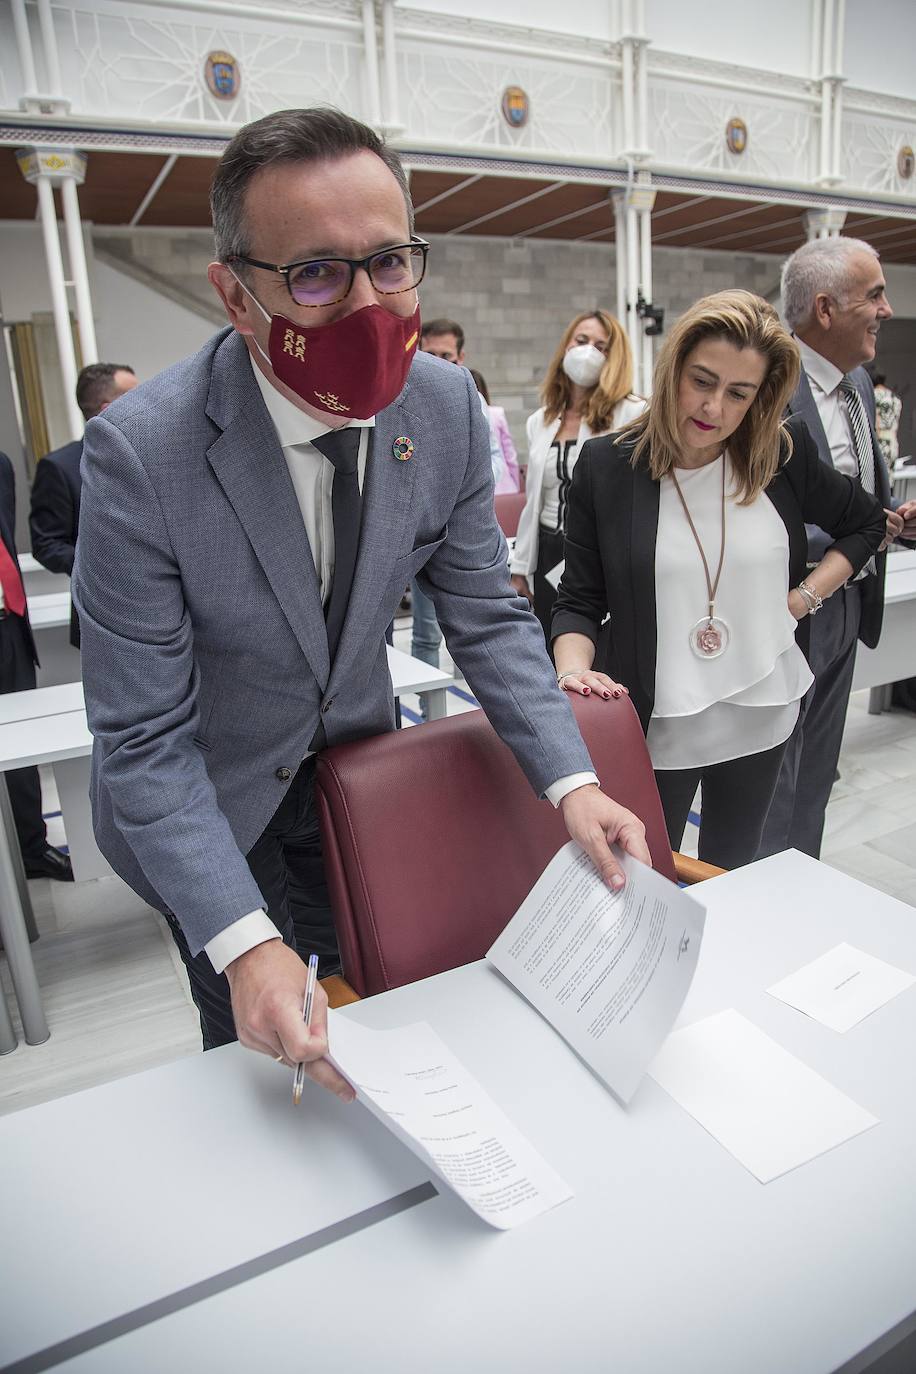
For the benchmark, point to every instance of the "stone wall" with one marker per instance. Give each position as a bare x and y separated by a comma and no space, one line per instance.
514,297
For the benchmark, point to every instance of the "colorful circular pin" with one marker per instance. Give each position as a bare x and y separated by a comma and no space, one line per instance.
402,448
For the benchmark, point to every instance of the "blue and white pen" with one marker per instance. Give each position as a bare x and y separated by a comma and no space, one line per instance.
311,980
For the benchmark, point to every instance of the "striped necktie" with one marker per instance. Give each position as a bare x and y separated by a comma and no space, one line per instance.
862,445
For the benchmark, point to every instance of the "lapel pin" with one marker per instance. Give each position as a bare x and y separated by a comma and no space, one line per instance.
402,448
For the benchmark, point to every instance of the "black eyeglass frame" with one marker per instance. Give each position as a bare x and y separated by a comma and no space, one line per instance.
353,263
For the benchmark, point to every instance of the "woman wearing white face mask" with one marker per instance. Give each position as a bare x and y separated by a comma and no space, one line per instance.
587,391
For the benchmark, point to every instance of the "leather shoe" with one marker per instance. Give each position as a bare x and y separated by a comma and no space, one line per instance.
50,863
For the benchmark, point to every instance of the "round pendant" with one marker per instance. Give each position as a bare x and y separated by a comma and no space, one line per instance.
709,637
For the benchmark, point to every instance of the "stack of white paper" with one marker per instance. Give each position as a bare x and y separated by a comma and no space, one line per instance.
412,1082
609,970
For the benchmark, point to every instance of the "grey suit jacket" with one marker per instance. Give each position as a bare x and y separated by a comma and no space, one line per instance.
205,657
804,405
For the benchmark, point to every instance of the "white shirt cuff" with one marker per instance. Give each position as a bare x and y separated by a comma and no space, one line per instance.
240,937
563,786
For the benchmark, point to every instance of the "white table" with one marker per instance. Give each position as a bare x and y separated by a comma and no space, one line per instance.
48,725
670,1256
895,655
37,579
49,614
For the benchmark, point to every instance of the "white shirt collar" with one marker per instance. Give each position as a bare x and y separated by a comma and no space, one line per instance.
825,375
293,425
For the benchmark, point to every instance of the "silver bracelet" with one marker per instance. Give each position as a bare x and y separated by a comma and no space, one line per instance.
811,597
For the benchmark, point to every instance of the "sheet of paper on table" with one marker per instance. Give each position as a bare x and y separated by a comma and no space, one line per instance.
554,574
412,1082
608,970
765,1106
842,987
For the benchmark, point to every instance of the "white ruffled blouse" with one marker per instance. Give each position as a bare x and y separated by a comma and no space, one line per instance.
747,700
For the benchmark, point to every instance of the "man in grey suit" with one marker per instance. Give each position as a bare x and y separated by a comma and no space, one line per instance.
249,521
834,300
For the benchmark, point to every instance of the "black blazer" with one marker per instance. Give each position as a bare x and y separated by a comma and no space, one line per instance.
611,529
8,533
55,513
804,406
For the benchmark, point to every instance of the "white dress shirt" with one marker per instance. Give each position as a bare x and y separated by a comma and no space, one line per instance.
312,476
825,380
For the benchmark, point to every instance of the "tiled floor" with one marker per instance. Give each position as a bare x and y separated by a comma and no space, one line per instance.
117,999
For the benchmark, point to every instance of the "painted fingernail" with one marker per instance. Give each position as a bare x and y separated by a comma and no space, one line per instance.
586,691
616,694
606,695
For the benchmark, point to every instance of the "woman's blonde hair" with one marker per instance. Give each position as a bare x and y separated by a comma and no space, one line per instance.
614,383
747,321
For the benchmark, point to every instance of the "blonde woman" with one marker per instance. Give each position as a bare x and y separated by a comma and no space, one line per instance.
689,530
587,391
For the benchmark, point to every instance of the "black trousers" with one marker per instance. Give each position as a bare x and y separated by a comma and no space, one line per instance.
551,545
288,866
17,674
736,797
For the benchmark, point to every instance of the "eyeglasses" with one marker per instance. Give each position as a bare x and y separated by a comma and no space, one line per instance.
325,281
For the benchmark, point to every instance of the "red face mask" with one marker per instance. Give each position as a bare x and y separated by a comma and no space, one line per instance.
354,367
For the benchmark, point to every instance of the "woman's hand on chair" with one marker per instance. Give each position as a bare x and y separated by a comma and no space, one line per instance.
589,683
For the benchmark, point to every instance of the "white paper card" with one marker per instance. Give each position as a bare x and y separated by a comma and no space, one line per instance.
412,1082
842,987
554,575
608,970
765,1106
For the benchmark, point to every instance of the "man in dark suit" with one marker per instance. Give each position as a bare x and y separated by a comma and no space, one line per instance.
17,674
55,511
834,300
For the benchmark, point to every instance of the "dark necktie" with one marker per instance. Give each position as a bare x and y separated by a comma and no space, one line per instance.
341,447
862,445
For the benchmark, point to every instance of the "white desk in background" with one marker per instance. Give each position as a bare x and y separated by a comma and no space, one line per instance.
895,655
670,1257
37,580
49,614
48,726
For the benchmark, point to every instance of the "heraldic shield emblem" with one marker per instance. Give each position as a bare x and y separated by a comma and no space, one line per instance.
222,75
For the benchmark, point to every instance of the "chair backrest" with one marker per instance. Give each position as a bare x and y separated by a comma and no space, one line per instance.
433,836
509,507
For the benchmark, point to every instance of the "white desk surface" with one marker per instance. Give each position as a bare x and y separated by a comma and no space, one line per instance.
671,1256
413,675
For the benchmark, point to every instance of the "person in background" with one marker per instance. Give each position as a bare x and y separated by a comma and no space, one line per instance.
444,339
688,528
510,481
55,510
888,408
17,674
587,391
834,300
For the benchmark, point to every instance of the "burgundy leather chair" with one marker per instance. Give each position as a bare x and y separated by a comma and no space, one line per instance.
509,507
433,837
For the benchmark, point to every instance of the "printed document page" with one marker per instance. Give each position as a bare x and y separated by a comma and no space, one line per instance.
842,987
411,1081
765,1106
609,970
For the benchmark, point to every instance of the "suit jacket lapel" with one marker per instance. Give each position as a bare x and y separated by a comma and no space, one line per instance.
804,404
643,537
248,463
387,499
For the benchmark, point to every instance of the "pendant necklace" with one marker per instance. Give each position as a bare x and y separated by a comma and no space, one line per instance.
709,637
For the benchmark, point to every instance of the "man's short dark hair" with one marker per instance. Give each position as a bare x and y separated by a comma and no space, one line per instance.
286,136
432,329
96,386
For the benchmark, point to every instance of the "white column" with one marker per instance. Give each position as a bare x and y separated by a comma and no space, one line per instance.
620,247
49,43
59,302
76,251
645,274
633,322
370,44
24,46
837,128
393,123
826,73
